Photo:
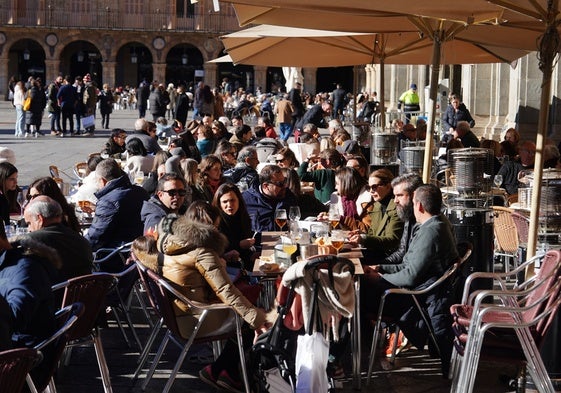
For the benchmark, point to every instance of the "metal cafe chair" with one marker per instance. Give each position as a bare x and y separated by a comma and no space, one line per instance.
510,329
14,366
416,295
506,236
91,290
163,294
52,348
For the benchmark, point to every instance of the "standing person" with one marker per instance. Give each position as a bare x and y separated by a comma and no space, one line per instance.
409,102
218,103
198,100
142,94
52,105
339,97
19,97
295,97
67,98
158,101
283,111
79,109
181,105
106,102
455,113
172,95
90,102
316,115
208,102
34,116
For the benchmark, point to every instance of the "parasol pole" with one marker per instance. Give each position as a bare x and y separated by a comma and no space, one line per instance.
382,95
548,47
435,71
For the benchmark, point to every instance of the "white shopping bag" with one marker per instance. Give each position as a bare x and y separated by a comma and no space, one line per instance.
88,121
312,355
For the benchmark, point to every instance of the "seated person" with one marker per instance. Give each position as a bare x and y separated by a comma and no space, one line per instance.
138,159
244,174
323,176
115,145
192,246
169,198
235,224
432,250
308,204
89,183
43,216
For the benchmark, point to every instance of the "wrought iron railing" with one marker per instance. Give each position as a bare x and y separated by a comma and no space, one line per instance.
108,18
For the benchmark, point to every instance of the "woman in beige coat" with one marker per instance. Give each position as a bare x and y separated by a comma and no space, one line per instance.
192,247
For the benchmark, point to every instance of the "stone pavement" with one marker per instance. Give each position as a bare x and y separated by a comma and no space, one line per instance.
414,370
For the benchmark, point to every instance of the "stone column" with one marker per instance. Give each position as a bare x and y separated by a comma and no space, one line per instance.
260,77
159,70
211,77
52,69
392,85
370,76
109,72
310,83
4,74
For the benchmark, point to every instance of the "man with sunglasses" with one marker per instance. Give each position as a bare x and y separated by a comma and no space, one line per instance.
244,174
270,195
170,197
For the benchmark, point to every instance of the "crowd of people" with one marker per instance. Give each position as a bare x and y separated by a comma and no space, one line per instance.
197,191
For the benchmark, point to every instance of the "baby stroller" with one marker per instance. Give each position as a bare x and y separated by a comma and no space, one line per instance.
314,294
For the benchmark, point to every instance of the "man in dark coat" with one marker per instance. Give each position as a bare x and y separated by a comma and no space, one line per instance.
158,102
463,133
295,98
431,252
117,214
43,216
455,112
316,115
142,94
181,105
272,194
169,198
339,98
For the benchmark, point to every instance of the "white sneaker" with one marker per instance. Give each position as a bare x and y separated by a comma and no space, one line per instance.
26,135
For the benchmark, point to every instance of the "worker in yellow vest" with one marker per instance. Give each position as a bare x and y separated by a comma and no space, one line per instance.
409,102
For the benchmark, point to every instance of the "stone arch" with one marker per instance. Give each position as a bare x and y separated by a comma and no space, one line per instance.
26,57
136,63
80,57
183,60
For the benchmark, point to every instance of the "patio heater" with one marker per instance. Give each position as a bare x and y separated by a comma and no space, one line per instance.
549,233
412,156
468,206
383,152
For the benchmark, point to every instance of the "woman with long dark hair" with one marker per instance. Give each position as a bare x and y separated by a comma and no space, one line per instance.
210,176
9,191
49,187
235,224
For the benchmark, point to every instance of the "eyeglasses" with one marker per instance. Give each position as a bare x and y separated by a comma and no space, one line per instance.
278,183
374,187
173,193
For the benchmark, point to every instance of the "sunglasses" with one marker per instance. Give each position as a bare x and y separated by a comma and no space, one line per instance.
374,187
173,193
279,160
278,183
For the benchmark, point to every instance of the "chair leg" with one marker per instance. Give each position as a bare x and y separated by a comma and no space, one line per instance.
146,351
178,364
101,361
30,384
242,353
156,360
137,292
121,328
375,337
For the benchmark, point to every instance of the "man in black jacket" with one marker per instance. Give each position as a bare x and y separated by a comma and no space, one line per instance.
169,198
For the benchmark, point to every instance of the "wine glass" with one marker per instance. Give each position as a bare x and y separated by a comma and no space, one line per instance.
295,231
280,218
21,200
139,178
289,245
337,240
334,215
498,180
294,213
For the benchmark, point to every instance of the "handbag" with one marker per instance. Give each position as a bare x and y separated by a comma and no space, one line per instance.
27,102
88,121
312,354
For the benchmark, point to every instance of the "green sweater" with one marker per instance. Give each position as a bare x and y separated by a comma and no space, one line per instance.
324,181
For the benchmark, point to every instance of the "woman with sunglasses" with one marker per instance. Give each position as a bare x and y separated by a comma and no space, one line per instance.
386,228
236,225
285,158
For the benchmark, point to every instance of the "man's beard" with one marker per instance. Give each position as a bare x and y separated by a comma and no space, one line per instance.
405,212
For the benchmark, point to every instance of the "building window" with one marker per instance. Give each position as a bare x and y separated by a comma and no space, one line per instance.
184,9
134,6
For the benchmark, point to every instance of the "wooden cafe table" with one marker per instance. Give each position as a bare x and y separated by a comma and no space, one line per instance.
268,278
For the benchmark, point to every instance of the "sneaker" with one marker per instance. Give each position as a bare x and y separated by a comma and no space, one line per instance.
55,133
402,344
26,135
208,377
225,381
